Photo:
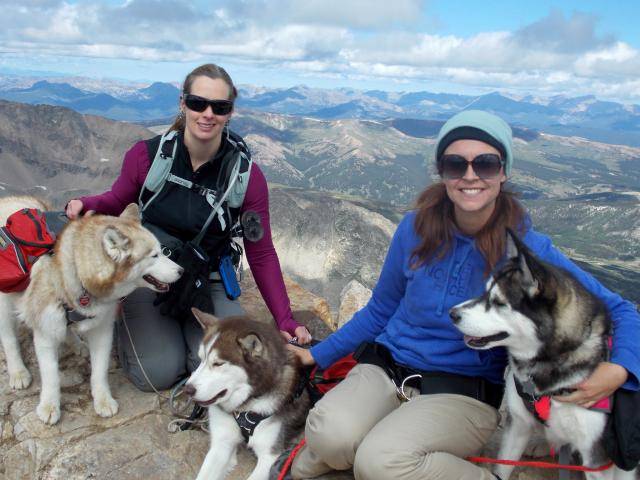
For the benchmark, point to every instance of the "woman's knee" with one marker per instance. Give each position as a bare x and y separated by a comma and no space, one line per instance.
330,432
153,368
375,459
151,374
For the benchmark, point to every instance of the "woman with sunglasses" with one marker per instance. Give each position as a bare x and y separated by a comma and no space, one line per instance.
440,256
157,350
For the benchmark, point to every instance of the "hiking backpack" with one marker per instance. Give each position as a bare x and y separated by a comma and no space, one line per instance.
23,239
160,172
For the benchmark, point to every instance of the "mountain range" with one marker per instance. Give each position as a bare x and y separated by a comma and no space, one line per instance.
586,116
391,161
344,184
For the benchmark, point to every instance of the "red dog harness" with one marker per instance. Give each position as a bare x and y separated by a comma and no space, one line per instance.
540,406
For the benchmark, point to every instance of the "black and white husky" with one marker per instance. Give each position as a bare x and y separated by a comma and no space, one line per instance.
251,384
556,334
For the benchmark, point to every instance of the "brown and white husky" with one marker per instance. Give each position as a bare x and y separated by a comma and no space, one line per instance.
97,260
251,385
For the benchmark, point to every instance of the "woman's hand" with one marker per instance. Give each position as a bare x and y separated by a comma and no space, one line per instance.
303,354
602,383
302,335
74,208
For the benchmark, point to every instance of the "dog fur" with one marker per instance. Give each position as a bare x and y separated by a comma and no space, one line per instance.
556,334
245,366
99,257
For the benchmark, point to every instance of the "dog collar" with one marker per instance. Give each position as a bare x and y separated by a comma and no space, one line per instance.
84,300
538,406
72,315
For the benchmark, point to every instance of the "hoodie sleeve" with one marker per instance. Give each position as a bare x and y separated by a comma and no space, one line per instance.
262,257
624,315
371,320
126,188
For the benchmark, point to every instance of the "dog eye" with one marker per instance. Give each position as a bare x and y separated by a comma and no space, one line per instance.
498,303
155,255
217,364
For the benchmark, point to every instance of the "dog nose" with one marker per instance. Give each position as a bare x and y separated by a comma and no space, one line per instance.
455,316
189,389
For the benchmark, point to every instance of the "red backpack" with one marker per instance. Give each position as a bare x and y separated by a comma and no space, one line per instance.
23,239
321,381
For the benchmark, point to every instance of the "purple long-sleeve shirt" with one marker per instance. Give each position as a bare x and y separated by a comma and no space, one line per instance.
261,255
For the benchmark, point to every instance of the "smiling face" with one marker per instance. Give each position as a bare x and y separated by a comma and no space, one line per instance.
205,126
473,198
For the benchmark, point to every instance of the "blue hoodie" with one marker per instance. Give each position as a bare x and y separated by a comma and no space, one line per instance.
409,310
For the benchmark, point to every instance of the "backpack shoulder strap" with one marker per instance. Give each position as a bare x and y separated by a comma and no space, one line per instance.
236,195
160,167
233,179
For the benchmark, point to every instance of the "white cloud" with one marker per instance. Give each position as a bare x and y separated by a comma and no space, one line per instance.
358,14
332,38
63,25
556,33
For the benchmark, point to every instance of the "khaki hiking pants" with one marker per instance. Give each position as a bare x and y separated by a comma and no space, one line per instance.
362,424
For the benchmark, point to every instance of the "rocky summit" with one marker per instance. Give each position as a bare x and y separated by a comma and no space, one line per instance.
136,443
586,197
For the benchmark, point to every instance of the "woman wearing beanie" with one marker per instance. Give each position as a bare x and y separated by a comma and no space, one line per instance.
441,255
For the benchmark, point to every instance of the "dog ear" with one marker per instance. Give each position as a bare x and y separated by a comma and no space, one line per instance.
116,245
518,252
513,241
205,320
530,283
251,345
131,211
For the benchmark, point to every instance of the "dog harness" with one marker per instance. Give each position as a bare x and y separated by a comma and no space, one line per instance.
248,421
540,406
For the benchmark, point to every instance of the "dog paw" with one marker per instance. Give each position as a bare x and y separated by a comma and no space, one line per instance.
48,412
105,406
20,379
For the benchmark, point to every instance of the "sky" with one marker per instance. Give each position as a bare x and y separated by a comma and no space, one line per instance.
540,48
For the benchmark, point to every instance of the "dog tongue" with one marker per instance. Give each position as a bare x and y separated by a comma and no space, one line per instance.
156,283
473,341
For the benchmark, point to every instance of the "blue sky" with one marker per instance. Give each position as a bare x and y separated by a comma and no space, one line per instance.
540,48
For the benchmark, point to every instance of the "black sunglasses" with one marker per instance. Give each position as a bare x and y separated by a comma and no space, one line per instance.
485,165
199,104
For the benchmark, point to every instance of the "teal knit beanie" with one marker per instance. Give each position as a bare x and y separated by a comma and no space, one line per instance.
478,125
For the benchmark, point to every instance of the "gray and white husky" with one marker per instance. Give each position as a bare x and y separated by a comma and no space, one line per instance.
246,374
555,332
96,261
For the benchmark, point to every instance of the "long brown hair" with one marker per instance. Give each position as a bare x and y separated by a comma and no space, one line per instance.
436,226
207,70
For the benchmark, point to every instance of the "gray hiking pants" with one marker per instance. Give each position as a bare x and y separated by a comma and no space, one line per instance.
362,424
166,347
